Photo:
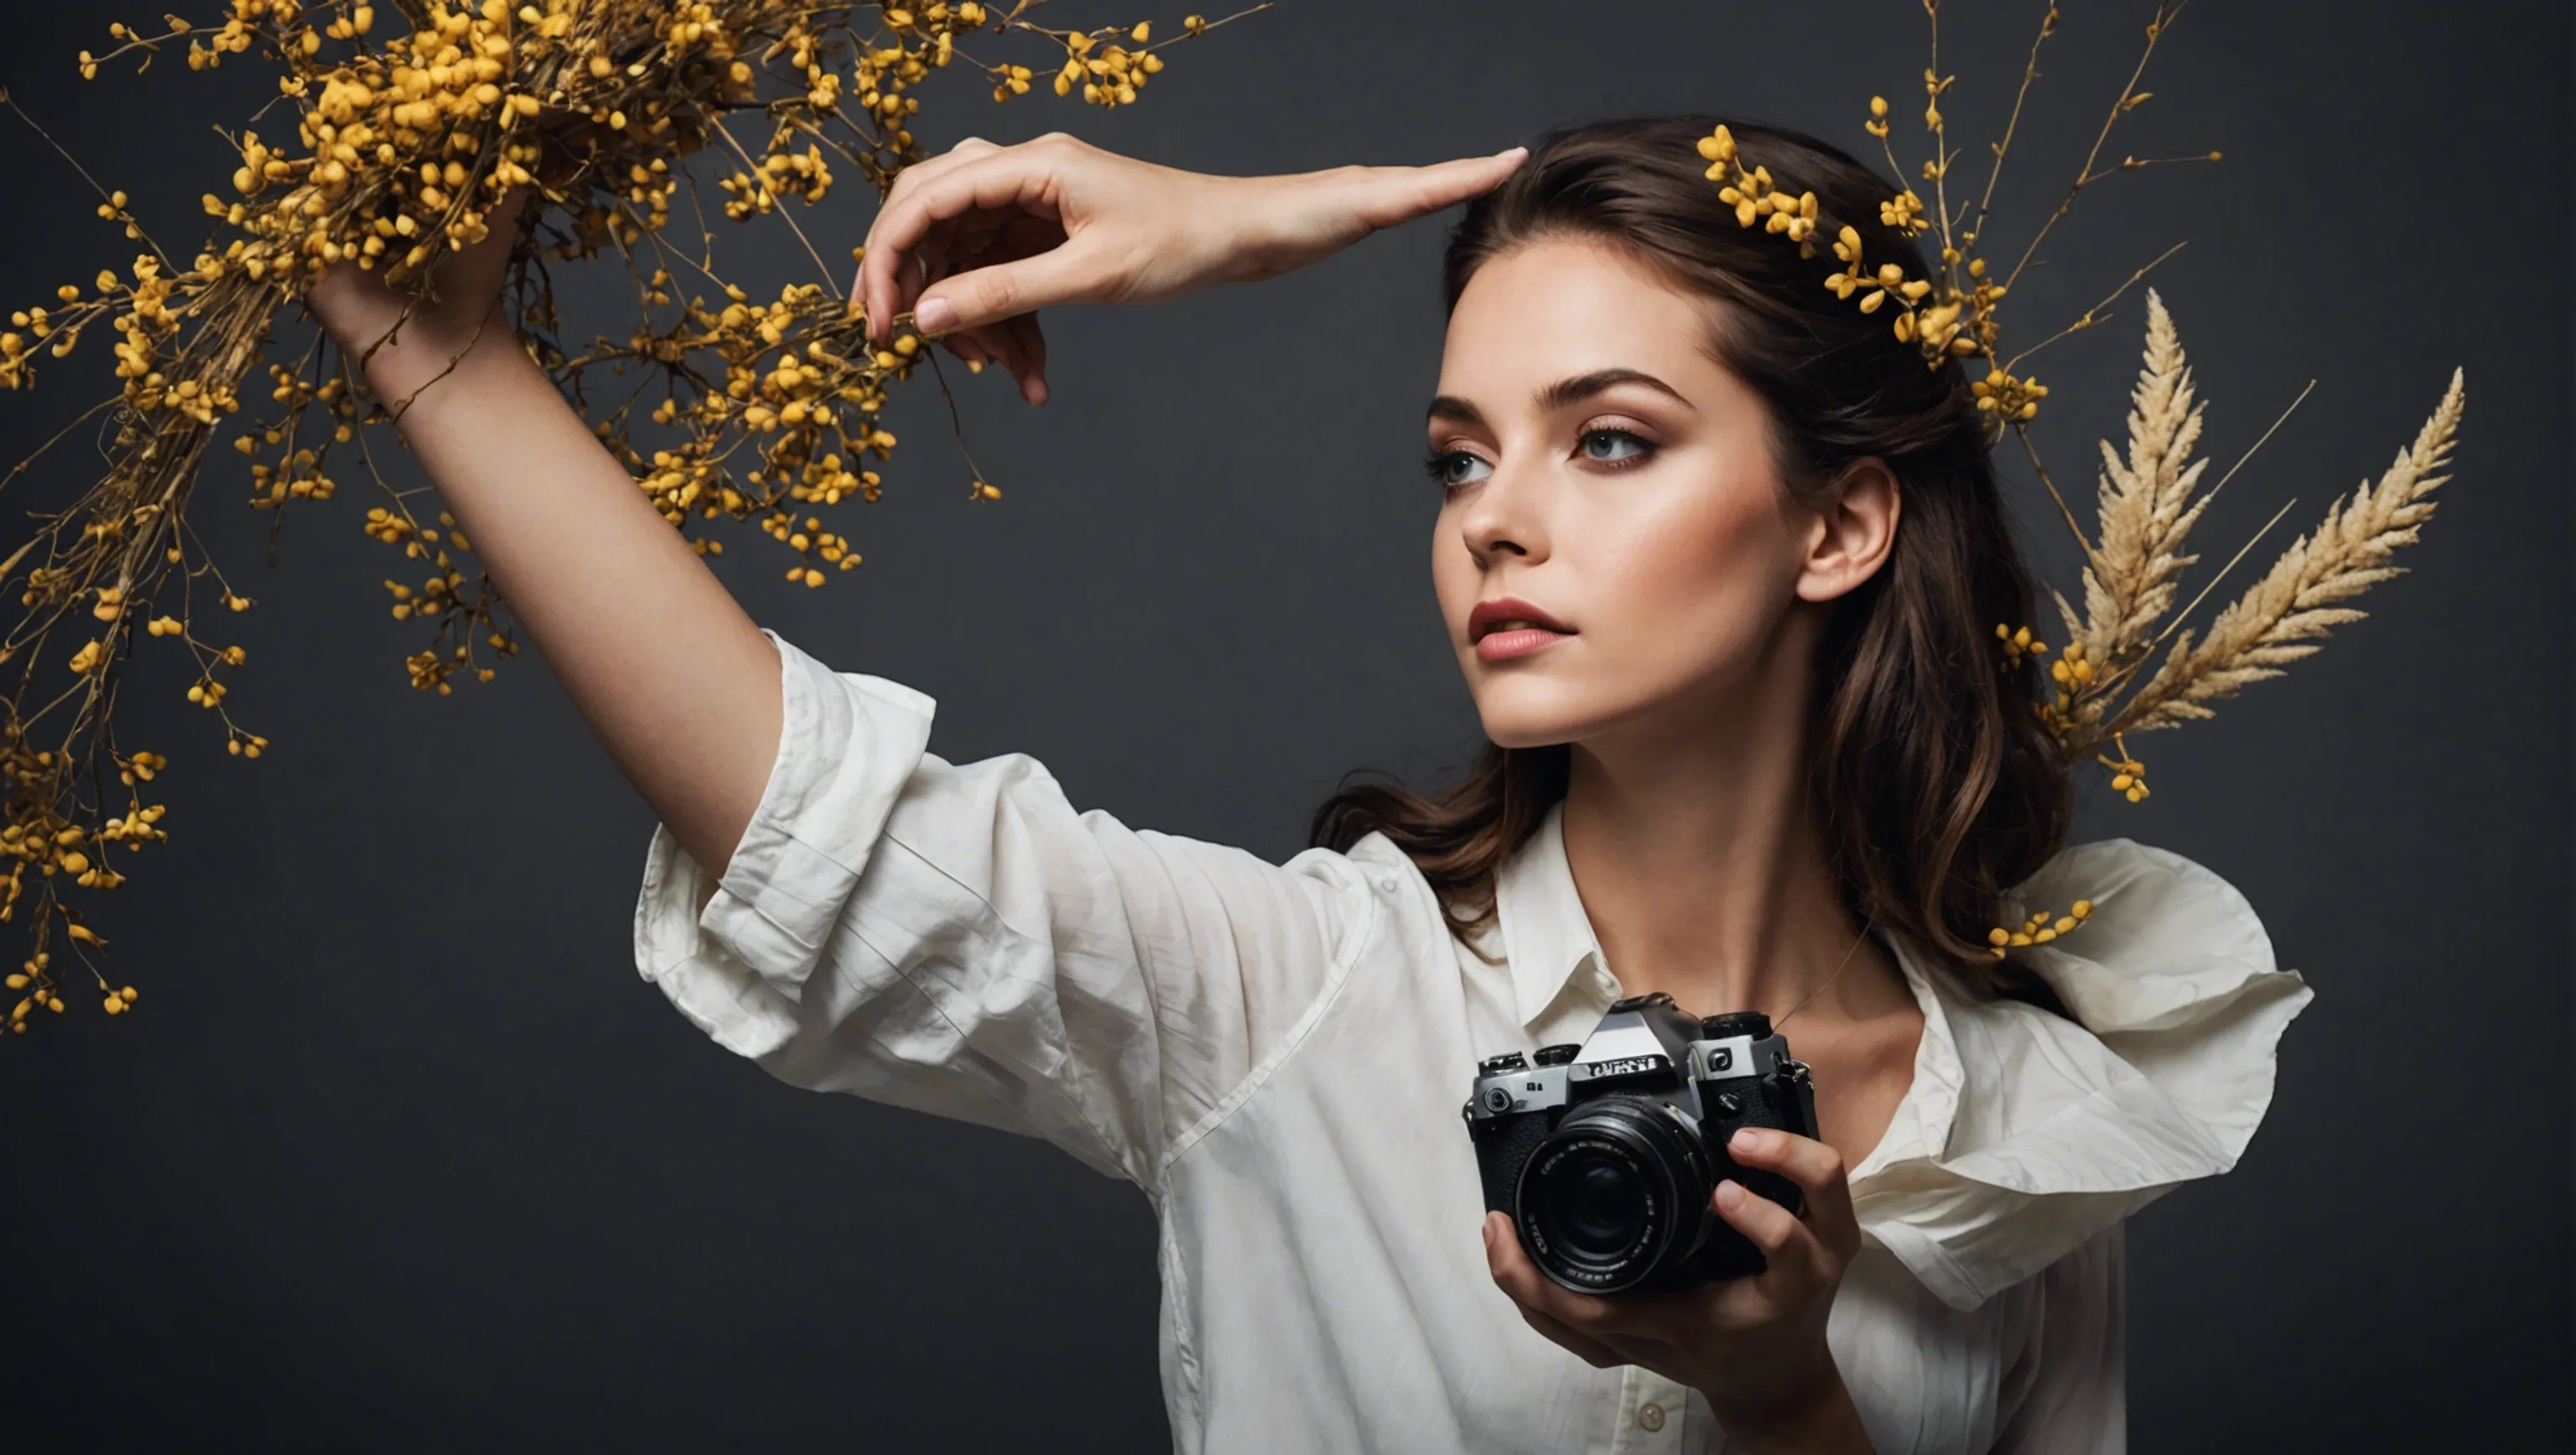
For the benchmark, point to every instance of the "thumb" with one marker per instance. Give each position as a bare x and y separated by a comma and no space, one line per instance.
1400,194
985,295
477,271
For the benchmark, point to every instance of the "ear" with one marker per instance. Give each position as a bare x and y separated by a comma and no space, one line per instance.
1853,534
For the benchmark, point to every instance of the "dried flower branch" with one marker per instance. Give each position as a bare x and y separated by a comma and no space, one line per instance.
1953,313
401,150
2149,499
2282,617
2147,509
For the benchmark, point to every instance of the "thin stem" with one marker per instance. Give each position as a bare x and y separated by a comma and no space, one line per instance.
2022,431
1940,137
2165,14
781,212
2281,419
2140,164
104,193
86,415
956,425
2112,680
2029,73
2126,713
2092,314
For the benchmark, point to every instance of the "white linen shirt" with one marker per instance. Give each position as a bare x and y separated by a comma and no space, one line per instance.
1278,1054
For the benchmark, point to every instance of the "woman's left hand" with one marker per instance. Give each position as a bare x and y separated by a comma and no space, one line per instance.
1754,1346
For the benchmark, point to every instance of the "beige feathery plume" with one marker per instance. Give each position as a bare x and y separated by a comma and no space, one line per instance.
2300,599
2135,569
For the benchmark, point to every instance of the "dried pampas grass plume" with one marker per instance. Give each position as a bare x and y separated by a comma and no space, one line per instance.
2147,509
2105,684
2149,502
2281,619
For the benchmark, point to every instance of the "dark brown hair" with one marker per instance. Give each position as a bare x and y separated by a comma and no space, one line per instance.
1934,782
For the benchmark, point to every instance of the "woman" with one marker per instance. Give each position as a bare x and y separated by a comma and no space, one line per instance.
1721,562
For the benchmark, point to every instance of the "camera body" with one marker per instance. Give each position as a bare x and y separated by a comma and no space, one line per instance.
1605,1154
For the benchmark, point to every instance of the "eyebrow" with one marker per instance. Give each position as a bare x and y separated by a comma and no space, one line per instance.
1558,395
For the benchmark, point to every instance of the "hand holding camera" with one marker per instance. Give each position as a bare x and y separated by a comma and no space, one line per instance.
1657,1196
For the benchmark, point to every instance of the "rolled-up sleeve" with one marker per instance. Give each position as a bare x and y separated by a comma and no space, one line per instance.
2072,1378
959,939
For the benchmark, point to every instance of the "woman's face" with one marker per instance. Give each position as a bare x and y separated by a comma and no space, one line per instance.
1597,464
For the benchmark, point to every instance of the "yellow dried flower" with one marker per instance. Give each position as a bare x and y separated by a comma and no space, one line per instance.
2038,929
392,152
2128,775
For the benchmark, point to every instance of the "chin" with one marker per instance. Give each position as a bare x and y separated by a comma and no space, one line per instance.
1518,718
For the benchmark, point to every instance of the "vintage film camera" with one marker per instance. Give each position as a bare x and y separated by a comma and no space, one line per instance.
1605,1154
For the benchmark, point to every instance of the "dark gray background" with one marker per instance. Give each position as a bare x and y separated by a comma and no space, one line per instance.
400,1153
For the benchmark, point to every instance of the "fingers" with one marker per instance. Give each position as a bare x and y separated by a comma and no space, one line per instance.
1028,345
1400,194
868,284
1632,1328
1551,1310
1773,1228
1532,1289
978,296
1817,1169
1591,1351
504,218
1018,178
478,270
1594,1318
1016,344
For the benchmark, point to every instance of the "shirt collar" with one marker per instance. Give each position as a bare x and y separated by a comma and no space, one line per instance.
2022,1134
1546,934
1548,939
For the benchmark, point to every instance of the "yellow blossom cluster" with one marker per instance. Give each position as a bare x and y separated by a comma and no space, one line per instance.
1759,202
396,130
2039,929
2070,676
2131,663
1952,313
1108,73
2017,643
2128,775
1756,198
2071,672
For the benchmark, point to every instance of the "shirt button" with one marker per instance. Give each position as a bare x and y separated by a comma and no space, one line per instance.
1651,1417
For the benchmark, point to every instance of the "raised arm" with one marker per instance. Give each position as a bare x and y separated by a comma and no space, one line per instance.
668,670
661,661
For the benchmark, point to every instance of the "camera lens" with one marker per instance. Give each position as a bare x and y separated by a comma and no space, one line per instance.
1616,1191
1597,1204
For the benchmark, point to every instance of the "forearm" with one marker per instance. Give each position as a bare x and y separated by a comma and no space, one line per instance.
671,674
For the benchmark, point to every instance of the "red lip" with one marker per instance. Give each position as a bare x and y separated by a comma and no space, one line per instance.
1490,614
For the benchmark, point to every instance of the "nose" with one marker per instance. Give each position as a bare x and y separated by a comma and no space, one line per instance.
1504,518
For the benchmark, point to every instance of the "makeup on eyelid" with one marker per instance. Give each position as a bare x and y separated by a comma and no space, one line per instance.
1436,462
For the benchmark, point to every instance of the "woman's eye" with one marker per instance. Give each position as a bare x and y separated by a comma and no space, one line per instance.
1452,468
1613,446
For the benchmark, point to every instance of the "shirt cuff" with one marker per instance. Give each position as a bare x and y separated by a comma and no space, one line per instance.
737,969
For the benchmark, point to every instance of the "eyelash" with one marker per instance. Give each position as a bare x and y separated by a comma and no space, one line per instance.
1435,463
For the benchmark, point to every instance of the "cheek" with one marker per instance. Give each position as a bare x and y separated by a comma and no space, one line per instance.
1700,584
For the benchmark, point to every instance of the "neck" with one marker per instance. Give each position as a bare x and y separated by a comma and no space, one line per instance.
1702,868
